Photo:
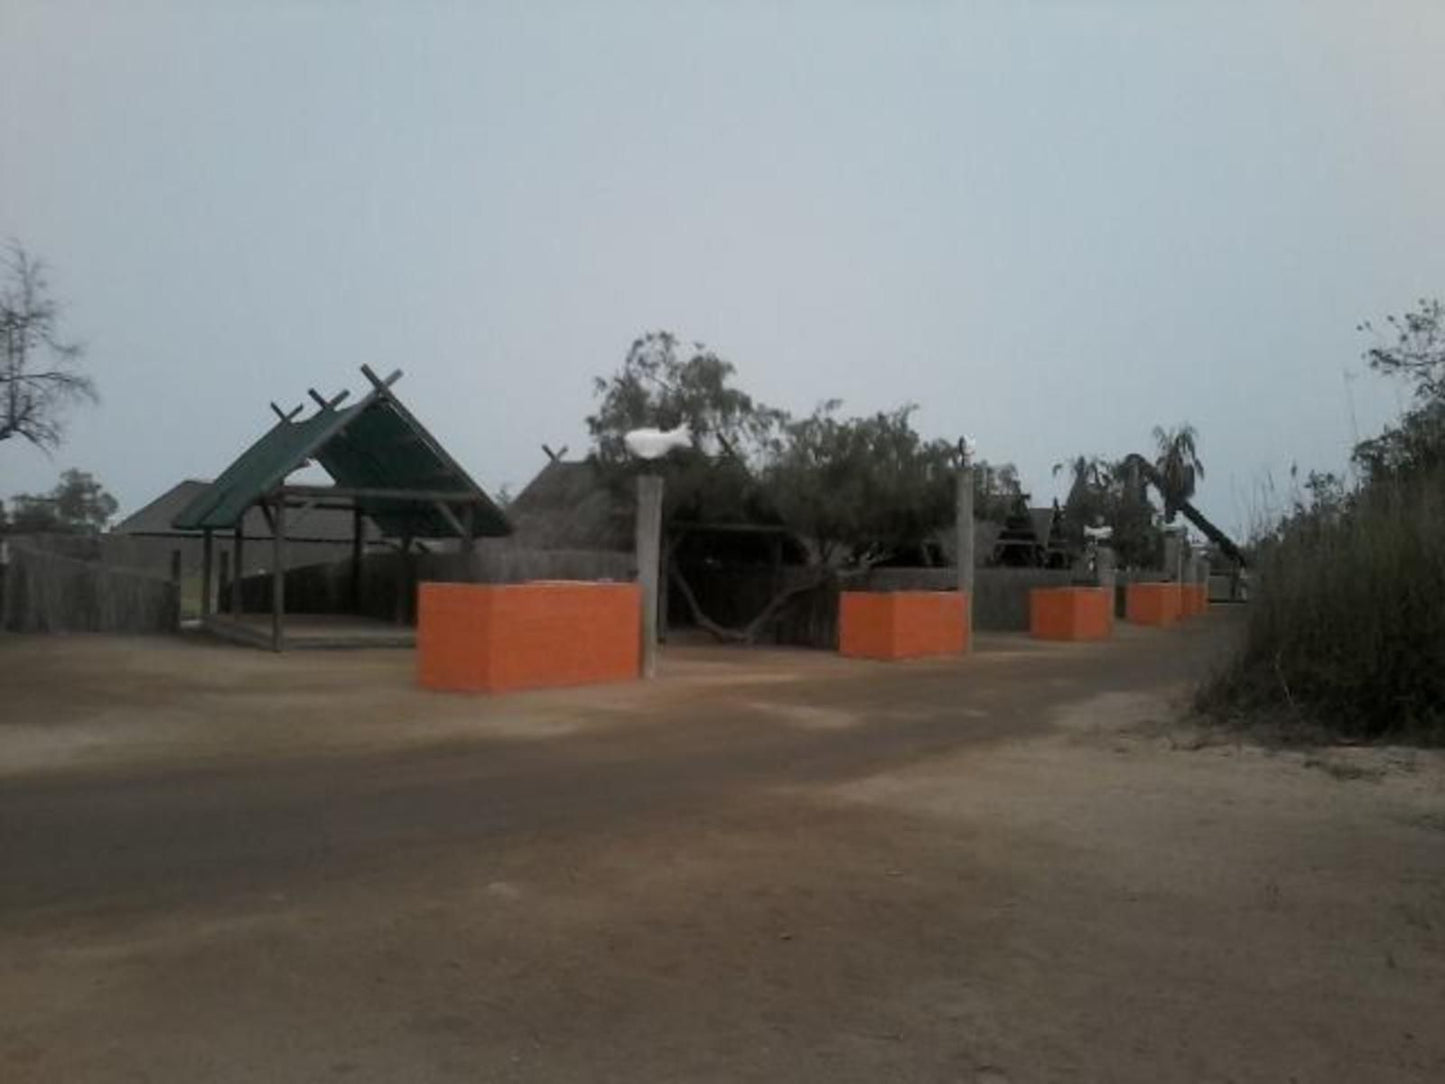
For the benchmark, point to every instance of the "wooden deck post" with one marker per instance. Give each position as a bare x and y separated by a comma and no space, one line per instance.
278,578
207,556
356,530
223,582
403,575
175,582
648,543
239,546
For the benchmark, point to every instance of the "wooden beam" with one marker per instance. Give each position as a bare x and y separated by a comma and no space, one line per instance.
414,496
451,518
285,415
278,581
555,457
376,381
325,403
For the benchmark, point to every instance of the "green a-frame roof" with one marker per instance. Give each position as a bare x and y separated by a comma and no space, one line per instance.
383,461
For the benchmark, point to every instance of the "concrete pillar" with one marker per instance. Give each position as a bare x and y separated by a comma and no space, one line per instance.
648,542
963,523
1108,576
1173,555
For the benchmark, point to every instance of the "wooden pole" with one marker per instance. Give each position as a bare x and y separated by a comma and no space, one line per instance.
207,555
963,523
403,574
649,545
278,579
223,582
175,581
356,530
239,546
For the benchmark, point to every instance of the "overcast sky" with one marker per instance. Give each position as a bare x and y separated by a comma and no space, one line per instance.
1052,225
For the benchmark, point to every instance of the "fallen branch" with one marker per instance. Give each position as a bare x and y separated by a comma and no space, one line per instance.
749,633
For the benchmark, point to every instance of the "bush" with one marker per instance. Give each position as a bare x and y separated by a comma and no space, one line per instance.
1346,630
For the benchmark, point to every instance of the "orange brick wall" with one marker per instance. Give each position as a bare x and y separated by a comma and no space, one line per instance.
1157,604
1195,599
1071,613
901,624
502,637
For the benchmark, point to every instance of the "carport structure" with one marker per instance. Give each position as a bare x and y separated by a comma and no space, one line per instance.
385,466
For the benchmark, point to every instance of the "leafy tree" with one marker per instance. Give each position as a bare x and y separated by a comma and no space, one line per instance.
1177,461
661,384
861,488
854,490
78,505
38,377
1416,351
1416,445
1105,492
665,384
997,491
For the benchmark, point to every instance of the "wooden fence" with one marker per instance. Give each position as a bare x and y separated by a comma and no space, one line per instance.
48,592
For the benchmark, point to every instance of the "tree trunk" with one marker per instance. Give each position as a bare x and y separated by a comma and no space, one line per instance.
749,633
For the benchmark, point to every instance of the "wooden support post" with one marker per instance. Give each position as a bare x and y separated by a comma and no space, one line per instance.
469,528
278,579
648,543
223,583
403,575
357,523
963,523
207,557
175,581
238,546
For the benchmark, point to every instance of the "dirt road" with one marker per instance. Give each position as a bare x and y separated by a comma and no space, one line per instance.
222,865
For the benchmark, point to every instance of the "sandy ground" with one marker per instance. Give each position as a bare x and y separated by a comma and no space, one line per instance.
221,865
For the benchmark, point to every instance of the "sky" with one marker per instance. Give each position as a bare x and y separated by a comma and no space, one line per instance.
1052,225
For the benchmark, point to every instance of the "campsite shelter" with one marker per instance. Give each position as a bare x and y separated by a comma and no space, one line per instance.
385,467
146,539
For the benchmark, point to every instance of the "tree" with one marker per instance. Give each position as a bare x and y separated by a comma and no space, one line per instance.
997,491
665,384
1416,444
861,489
854,490
38,376
1417,351
1177,461
1104,492
78,505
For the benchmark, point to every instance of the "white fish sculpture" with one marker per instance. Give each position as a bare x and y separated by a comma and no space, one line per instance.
656,443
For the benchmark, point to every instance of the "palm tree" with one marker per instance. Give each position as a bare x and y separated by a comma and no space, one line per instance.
1178,464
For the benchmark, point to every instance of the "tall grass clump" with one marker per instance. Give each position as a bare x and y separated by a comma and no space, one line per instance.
1346,630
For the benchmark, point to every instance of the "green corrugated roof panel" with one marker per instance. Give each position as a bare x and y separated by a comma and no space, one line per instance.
376,444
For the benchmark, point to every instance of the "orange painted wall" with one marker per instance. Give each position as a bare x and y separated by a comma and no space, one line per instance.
1157,604
901,624
1195,599
502,637
1071,613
